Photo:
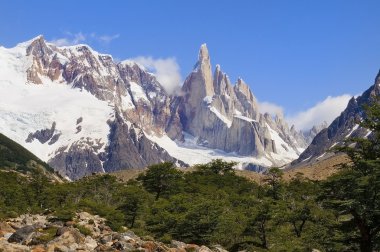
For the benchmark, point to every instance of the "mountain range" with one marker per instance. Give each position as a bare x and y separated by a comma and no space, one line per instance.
82,113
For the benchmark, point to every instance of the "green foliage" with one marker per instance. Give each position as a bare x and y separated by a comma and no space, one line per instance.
47,234
85,231
134,201
273,180
161,179
64,214
212,205
216,166
353,192
15,157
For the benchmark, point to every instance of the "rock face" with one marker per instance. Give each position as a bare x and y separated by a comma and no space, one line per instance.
140,150
58,236
82,112
226,117
344,126
131,104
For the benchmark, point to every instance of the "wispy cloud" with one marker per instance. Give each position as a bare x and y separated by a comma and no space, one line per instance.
271,108
167,71
70,39
76,38
326,110
108,38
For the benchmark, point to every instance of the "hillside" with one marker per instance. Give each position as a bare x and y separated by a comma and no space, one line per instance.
318,170
14,157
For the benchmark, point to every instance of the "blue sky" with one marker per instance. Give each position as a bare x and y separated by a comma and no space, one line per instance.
292,53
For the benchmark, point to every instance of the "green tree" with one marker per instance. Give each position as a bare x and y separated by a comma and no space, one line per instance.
354,192
134,199
274,180
217,166
298,204
161,178
258,222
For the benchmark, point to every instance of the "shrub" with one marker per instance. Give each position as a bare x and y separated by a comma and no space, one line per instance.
83,229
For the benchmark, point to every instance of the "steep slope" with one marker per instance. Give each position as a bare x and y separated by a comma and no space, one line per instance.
14,157
344,126
69,105
82,112
225,117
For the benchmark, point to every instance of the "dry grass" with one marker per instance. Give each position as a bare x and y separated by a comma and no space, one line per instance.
319,170
125,175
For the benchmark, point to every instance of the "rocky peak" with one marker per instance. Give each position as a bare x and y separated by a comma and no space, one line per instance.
377,79
222,84
376,86
344,126
245,99
38,47
199,84
42,64
243,88
203,54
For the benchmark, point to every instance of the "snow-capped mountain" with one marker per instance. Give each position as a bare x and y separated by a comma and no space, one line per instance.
344,126
82,112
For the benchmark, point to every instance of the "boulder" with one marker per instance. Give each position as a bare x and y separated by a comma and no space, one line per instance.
23,235
124,246
5,228
39,248
70,240
90,243
204,249
12,247
62,230
218,248
149,246
177,244
192,247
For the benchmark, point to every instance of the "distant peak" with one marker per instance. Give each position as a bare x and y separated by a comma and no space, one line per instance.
39,38
240,81
203,52
217,67
203,58
377,79
37,46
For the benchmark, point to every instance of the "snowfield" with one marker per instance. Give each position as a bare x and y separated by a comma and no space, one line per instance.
82,119
26,108
192,153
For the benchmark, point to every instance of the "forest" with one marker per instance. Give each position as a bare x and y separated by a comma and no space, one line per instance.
213,205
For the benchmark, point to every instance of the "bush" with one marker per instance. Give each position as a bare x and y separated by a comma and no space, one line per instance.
85,231
48,234
63,215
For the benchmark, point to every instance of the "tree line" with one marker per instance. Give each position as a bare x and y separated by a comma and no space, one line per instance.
213,205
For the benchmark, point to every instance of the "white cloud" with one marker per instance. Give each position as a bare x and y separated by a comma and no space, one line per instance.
108,38
326,110
166,70
76,38
70,39
271,108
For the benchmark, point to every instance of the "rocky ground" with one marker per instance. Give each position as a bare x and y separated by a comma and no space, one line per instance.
41,233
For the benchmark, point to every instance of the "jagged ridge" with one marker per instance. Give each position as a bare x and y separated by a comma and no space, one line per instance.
83,113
